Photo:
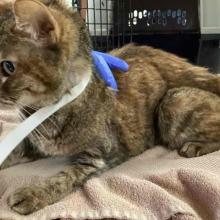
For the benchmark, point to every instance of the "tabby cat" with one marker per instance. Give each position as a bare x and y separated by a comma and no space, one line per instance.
45,51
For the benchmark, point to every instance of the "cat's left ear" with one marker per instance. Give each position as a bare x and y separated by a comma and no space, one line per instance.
35,21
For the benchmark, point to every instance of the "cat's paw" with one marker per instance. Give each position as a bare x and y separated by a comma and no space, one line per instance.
190,149
28,200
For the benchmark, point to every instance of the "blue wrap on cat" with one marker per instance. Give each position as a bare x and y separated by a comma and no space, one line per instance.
104,63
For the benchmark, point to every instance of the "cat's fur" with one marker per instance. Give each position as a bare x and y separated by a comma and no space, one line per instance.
189,120
100,129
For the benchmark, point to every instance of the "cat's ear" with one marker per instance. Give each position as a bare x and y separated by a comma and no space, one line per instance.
36,21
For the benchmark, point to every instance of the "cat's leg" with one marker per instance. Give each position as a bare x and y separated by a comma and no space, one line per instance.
23,153
196,149
32,198
189,121
13,160
16,157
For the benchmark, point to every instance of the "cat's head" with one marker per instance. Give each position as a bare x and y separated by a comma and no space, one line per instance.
44,51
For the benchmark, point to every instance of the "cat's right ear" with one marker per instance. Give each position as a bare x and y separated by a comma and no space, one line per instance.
34,20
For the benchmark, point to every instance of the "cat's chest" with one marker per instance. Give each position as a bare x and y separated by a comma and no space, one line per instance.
48,138
66,140
51,146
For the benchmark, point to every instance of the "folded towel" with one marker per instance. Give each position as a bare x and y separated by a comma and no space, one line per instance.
158,184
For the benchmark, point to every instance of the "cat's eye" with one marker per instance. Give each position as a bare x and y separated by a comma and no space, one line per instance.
8,68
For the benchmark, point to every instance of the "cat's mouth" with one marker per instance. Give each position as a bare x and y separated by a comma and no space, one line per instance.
6,104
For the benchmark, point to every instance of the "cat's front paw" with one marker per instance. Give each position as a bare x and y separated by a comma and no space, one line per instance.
191,149
28,200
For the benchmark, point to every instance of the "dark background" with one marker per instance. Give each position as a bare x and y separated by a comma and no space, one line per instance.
183,40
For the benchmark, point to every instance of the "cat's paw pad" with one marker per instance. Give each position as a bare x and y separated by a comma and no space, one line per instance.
190,149
27,200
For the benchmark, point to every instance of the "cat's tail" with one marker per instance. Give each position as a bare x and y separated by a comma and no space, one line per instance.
178,72
197,78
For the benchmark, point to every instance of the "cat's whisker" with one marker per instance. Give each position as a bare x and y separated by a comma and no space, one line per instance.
41,135
53,123
31,107
35,109
36,135
41,125
23,105
33,133
36,130
21,115
44,128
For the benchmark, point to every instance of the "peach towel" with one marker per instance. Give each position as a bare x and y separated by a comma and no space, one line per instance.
157,185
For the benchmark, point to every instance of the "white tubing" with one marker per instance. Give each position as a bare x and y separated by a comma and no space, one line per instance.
15,137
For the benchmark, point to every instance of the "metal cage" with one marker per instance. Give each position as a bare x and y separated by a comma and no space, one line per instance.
105,20
187,28
113,23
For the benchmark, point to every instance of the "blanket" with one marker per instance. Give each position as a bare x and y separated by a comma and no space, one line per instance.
156,185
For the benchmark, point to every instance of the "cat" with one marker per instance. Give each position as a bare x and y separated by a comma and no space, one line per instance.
45,50
189,121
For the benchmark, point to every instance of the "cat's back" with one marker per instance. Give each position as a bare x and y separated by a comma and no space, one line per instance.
151,73
149,58
147,68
